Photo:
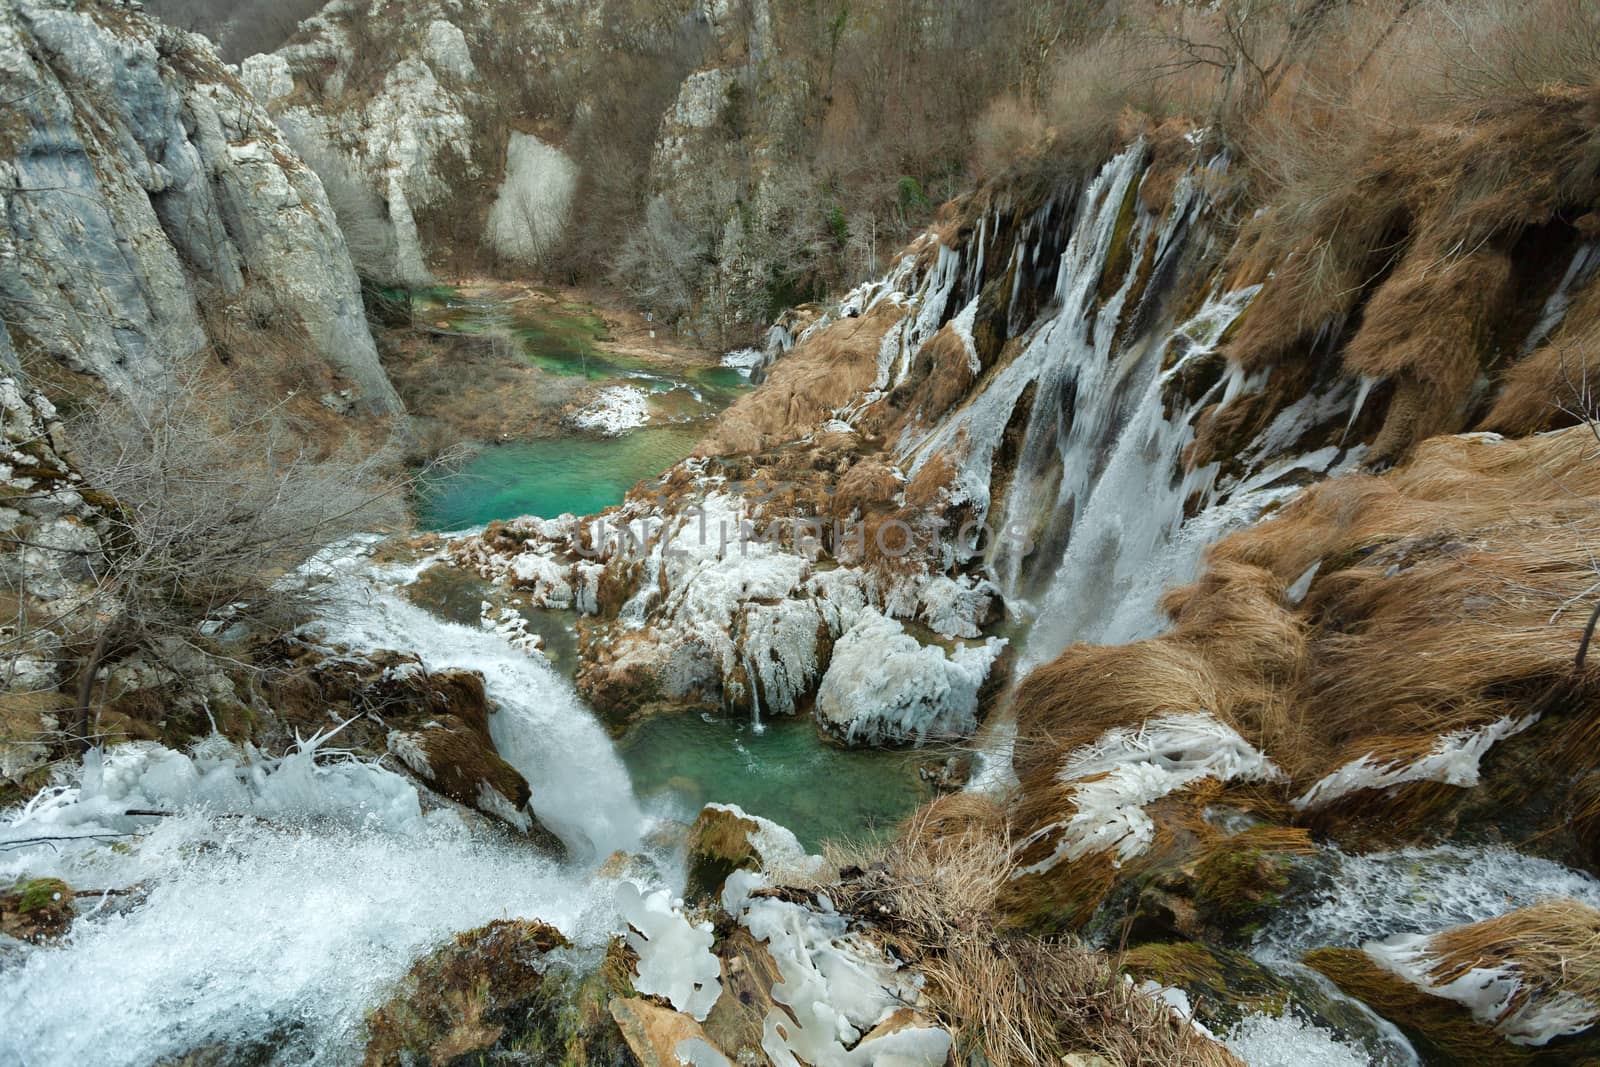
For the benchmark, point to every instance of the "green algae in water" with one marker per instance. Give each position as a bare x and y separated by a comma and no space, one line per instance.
551,476
785,772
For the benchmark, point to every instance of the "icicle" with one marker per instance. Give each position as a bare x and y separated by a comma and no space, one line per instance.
1584,263
1363,390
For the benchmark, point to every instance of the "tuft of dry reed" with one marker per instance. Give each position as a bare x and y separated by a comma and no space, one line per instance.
933,894
1552,948
1447,595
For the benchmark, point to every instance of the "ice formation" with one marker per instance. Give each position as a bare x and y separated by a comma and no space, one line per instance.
1453,759
510,625
675,957
720,604
1488,992
614,411
693,1052
778,849
882,685
835,985
744,360
1130,767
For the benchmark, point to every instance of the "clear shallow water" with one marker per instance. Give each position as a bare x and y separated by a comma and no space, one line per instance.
578,472
785,772
679,762
551,477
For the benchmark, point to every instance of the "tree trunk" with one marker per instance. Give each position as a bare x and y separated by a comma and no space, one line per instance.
80,715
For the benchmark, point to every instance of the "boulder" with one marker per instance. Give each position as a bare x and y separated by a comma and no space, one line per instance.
39,910
661,1037
488,991
725,839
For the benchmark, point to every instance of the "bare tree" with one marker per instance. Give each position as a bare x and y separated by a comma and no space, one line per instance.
207,504
662,264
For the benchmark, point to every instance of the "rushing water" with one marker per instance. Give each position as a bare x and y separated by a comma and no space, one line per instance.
284,897
280,898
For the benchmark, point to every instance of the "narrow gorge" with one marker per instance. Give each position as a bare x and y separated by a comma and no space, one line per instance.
743,531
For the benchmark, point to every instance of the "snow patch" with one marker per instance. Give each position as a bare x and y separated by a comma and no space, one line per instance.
615,411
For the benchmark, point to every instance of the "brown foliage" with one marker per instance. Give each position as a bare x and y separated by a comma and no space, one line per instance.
936,892
823,371
1446,596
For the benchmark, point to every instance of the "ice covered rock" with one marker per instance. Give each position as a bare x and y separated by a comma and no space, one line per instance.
725,838
836,987
883,687
675,958
614,412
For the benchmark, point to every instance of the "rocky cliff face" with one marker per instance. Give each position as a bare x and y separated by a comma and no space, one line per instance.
151,207
619,139
1035,415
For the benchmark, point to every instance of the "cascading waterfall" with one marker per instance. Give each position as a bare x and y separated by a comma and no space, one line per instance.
280,899
1100,516
581,790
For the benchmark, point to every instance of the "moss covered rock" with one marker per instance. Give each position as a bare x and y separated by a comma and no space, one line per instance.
721,842
39,910
498,992
1243,878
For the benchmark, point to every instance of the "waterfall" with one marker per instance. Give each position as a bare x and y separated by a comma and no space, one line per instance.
581,791
1099,515
281,899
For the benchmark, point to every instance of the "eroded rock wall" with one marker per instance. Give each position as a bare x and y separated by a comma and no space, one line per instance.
148,199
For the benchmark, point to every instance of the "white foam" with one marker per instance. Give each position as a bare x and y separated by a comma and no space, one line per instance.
1287,1040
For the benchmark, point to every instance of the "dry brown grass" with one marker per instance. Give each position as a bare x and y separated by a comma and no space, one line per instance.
1552,947
1441,1029
934,892
1556,384
1450,593
820,374
1398,161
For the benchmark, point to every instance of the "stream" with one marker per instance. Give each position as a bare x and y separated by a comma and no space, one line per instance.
284,893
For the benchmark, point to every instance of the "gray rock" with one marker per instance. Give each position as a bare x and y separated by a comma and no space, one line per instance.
142,184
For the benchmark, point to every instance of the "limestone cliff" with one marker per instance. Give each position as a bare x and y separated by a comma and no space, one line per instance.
150,206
